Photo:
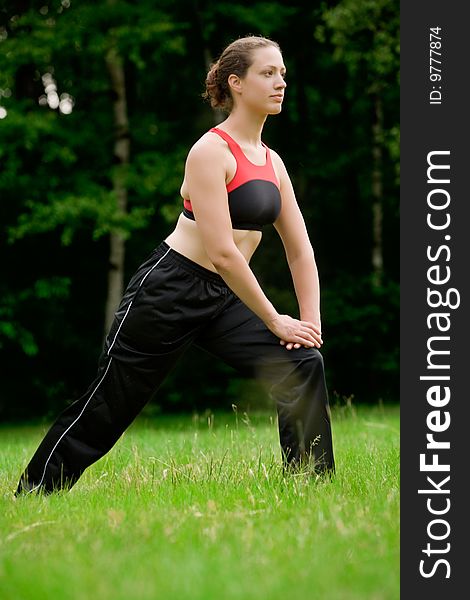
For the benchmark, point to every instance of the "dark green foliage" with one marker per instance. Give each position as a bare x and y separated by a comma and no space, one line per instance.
56,171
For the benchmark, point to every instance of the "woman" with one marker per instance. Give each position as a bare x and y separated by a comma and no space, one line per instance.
197,287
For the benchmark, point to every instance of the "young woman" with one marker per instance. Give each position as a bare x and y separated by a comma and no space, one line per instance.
197,288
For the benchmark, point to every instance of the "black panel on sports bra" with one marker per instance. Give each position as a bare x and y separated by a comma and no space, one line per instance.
254,199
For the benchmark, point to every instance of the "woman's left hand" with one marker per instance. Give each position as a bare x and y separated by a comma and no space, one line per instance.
291,345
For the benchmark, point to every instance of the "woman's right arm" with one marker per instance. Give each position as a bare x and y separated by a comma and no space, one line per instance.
205,180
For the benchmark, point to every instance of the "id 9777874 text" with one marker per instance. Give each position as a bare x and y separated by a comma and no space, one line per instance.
435,65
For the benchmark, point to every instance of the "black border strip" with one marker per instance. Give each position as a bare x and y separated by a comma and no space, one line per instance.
435,254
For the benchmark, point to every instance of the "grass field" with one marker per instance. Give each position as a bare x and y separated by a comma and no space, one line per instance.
198,508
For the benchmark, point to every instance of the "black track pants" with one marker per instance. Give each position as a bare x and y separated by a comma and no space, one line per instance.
169,304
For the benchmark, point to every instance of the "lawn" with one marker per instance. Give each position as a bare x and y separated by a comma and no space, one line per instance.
197,507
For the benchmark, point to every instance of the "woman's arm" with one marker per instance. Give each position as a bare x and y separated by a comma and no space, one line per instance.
205,180
299,252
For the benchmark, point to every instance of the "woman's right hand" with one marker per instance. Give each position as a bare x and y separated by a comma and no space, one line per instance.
294,333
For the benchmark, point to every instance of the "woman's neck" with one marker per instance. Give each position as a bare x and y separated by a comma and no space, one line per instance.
246,127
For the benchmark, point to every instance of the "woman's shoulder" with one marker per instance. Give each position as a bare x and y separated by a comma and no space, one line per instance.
278,163
208,142
209,147
275,156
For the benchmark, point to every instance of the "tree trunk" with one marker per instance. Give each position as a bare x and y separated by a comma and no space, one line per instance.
377,194
302,127
218,115
121,160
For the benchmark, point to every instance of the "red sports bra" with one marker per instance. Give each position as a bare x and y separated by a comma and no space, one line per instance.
253,194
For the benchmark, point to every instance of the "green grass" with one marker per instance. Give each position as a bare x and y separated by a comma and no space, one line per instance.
198,508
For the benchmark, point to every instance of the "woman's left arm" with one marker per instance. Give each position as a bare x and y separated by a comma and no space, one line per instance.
299,252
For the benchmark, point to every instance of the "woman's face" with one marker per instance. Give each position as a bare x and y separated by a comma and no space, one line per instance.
262,88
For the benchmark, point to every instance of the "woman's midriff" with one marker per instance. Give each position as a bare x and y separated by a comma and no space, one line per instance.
186,240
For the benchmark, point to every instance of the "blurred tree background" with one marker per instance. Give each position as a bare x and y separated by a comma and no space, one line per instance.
100,102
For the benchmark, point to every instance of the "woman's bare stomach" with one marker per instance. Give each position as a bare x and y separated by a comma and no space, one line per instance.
186,240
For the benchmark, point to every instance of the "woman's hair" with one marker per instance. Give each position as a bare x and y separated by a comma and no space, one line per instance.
236,59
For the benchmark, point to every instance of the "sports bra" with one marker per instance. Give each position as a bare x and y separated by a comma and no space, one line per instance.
254,198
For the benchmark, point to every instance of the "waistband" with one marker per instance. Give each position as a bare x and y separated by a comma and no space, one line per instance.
190,265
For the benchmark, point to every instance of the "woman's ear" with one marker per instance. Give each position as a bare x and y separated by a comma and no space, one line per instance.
234,83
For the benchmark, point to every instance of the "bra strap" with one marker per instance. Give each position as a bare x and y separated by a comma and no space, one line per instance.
267,169
232,144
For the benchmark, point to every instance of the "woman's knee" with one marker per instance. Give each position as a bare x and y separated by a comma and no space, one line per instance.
312,359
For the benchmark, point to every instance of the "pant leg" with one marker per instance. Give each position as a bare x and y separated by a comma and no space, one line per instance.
87,429
295,378
161,312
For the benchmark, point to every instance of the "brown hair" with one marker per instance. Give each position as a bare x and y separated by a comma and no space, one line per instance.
236,59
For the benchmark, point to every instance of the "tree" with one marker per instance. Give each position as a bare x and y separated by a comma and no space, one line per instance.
68,186
365,35
59,41
117,76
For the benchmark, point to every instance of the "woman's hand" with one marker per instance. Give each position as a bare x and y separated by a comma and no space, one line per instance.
294,333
